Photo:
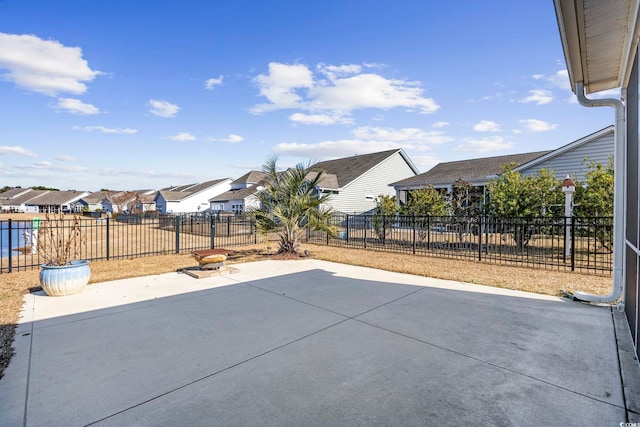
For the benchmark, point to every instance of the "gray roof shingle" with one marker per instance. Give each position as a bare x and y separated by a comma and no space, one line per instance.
340,172
469,170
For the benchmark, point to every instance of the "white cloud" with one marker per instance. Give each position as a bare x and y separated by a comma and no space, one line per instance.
280,85
163,108
493,143
343,89
65,158
561,79
75,106
404,135
539,96
15,150
232,138
182,136
367,139
486,126
210,83
126,131
320,119
334,71
424,163
333,149
440,124
370,91
44,66
535,125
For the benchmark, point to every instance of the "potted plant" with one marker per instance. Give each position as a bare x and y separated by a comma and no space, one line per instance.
59,242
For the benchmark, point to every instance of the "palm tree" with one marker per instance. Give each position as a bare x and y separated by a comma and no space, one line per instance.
290,202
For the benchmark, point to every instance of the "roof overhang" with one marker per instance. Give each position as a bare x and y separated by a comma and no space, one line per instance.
599,38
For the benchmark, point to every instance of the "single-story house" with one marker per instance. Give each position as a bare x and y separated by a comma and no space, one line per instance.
191,197
17,200
568,160
55,201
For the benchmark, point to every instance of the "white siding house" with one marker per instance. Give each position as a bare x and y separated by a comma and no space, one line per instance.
355,182
241,195
570,159
190,198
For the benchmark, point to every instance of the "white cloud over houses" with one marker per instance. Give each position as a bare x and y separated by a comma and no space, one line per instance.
320,119
182,136
163,108
483,145
366,139
440,124
413,136
76,106
535,125
486,126
15,150
43,66
336,90
211,83
539,97
334,149
103,129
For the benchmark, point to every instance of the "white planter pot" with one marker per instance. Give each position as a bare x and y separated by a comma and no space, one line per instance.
65,279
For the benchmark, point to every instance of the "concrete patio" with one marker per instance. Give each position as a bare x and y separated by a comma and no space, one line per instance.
312,343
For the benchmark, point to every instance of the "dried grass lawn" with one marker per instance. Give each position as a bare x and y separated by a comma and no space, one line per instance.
14,285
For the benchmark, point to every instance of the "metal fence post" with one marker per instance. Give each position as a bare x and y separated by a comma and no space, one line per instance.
177,226
9,241
366,225
347,236
413,217
212,232
573,245
108,238
480,238
428,232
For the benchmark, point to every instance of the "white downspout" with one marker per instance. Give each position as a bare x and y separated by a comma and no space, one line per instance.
618,199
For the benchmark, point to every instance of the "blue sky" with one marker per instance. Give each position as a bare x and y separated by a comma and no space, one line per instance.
132,95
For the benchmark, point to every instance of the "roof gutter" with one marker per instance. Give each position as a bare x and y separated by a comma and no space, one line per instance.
616,293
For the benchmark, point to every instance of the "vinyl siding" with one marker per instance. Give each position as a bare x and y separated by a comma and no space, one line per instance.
571,162
375,182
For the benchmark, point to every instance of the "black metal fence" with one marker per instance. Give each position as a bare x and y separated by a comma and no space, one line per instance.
564,243
572,244
128,236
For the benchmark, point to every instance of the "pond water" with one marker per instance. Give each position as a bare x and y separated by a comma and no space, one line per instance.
19,230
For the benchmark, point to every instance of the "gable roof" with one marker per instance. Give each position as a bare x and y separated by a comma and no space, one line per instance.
56,198
340,172
565,148
251,177
468,170
175,194
98,196
13,192
26,197
238,194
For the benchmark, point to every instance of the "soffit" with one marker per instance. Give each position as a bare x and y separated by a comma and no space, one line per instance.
598,39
